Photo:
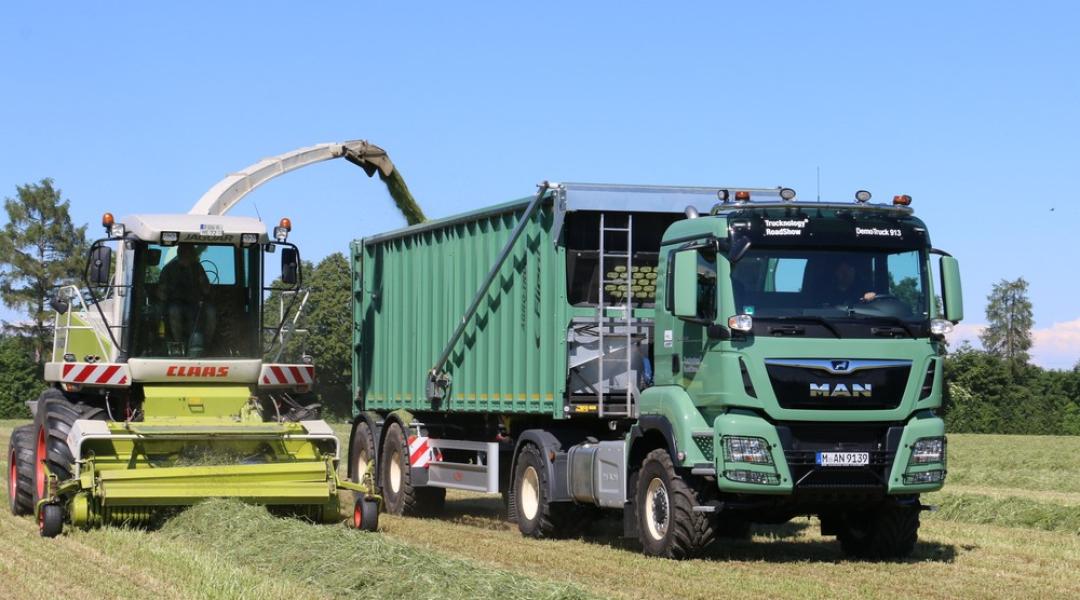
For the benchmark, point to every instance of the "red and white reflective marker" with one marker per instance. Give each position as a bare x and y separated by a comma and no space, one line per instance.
94,374
287,375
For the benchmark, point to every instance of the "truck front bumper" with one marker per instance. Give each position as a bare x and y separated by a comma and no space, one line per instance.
792,467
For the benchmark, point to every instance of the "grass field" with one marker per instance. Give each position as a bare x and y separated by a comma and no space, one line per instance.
1008,525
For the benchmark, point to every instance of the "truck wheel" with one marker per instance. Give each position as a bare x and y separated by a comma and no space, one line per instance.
50,520
361,451
664,504
399,495
888,532
530,505
21,470
55,416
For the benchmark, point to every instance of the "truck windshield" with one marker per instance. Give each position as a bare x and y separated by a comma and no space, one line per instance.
886,284
195,301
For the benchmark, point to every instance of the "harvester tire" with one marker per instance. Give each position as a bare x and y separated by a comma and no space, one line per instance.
361,451
400,497
50,520
889,532
55,416
365,514
664,504
21,470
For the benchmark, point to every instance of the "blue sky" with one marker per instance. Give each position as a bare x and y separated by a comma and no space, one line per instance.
971,108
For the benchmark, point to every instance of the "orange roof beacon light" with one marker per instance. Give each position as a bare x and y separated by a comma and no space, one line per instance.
114,229
742,196
902,200
281,232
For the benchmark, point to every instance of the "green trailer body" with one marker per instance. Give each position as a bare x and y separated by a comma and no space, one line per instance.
411,288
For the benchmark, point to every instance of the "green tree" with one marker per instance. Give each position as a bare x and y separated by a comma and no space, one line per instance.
1009,320
19,380
40,249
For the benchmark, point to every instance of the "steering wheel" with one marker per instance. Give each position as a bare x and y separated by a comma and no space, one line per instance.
878,296
210,268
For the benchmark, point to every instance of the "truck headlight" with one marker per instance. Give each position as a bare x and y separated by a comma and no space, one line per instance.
753,477
747,450
936,476
928,450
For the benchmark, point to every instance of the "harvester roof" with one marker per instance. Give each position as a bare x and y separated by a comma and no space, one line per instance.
195,228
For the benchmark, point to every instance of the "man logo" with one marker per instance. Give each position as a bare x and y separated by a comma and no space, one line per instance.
840,365
840,390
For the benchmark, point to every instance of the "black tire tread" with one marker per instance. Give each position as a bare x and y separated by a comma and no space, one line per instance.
413,501
362,440
21,450
690,532
57,414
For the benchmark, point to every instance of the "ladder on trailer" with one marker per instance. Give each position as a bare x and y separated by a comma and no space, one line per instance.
620,358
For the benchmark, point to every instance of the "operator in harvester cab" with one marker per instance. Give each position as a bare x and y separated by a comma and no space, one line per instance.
846,285
185,290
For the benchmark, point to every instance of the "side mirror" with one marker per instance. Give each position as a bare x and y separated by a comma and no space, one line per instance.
951,293
100,263
58,304
684,284
739,245
290,266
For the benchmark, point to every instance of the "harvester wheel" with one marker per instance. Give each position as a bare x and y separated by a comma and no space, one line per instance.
664,507
21,470
365,514
399,495
361,451
50,520
55,416
888,532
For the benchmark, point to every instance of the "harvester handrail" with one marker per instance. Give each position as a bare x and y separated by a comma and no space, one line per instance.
75,295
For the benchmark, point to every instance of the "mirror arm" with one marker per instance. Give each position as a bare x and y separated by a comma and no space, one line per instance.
939,252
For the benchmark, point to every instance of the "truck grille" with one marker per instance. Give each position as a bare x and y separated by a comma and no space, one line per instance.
859,385
802,442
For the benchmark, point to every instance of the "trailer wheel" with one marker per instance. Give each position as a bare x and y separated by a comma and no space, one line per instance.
361,452
399,495
21,470
365,515
664,505
55,416
50,520
888,532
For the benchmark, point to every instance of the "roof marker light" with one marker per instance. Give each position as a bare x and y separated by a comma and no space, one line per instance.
742,196
787,194
862,196
281,232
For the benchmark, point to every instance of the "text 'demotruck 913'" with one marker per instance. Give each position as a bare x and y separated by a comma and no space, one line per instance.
608,347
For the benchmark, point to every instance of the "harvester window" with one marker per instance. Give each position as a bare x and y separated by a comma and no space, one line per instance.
195,301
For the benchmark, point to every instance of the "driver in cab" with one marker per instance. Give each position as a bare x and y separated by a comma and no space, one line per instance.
845,287
184,289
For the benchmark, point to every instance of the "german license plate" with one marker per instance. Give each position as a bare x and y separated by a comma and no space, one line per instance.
843,459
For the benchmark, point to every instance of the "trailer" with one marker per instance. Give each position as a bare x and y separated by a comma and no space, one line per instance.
610,347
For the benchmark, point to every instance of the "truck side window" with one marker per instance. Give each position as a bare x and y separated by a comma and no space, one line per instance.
706,280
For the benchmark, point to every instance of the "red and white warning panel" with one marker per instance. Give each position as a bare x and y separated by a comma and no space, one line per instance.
287,376
94,374
421,452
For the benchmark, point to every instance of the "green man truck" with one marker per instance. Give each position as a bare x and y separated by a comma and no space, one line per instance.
601,347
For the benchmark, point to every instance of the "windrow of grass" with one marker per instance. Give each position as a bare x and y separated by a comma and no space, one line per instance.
342,562
1010,511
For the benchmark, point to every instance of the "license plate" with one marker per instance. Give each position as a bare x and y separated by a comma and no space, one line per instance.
843,459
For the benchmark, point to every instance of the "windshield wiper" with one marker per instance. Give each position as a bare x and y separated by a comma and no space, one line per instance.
809,318
888,319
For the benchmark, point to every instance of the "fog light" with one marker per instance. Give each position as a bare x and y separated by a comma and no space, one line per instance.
281,234
117,230
862,196
168,238
787,194
928,450
249,239
747,449
935,476
940,326
743,476
741,322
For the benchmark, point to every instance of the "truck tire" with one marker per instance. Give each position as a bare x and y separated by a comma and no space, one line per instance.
886,533
361,450
664,504
55,416
530,505
399,495
21,470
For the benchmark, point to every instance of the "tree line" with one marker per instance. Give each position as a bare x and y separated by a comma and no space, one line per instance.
991,389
